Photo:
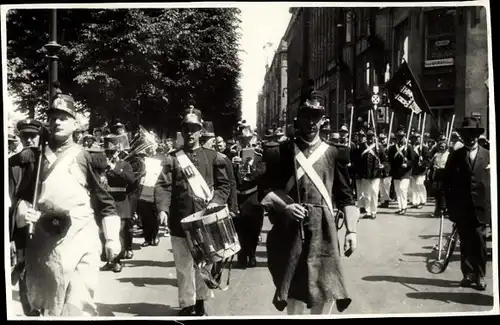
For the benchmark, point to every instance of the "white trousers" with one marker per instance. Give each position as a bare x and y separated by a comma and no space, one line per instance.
385,189
191,286
371,188
418,190
360,195
296,307
401,188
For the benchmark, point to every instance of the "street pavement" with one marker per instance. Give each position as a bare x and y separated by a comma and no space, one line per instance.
388,274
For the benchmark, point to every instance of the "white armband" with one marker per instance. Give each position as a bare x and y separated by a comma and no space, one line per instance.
111,227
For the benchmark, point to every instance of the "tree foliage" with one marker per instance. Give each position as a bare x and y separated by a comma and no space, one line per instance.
142,66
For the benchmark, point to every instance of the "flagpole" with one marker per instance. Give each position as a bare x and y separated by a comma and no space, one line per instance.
419,122
422,133
350,125
451,128
390,129
409,126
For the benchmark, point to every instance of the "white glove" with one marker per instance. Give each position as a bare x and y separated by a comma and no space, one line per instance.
111,229
25,214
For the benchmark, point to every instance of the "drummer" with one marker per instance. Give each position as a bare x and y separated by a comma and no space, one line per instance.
179,193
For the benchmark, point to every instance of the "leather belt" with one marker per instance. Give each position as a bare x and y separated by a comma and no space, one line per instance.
250,191
117,189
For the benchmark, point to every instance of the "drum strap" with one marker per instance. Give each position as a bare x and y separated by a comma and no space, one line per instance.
196,181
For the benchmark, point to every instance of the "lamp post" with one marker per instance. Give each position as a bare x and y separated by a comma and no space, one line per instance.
52,50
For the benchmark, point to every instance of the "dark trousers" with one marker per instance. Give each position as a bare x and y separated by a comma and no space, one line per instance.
127,233
248,227
149,218
473,249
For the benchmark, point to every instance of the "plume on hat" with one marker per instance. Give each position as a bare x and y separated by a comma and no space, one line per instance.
142,141
82,121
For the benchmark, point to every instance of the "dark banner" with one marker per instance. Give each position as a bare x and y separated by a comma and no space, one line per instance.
405,93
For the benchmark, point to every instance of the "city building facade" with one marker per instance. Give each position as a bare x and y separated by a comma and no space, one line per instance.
345,52
274,92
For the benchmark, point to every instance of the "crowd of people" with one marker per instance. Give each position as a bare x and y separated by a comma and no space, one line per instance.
95,188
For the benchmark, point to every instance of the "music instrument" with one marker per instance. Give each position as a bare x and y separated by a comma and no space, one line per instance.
212,238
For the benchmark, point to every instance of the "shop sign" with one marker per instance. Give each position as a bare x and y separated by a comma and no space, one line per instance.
439,63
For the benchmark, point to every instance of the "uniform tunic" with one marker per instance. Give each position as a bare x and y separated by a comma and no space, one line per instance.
174,195
318,274
61,271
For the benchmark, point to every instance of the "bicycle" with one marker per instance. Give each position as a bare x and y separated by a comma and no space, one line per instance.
449,248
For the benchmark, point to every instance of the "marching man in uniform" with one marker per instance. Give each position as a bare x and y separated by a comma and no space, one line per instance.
193,178
370,168
63,256
119,176
386,181
303,245
419,172
401,160
248,169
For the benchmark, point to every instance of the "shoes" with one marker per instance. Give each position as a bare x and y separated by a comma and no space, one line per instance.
155,242
252,262
385,205
117,267
107,267
128,255
481,284
187,311
242,260
145,244
199,308
374,216
468,282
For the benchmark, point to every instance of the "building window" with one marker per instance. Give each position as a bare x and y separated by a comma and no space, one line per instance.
440,39
401,41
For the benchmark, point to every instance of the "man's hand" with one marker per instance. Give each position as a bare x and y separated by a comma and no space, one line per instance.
295,211
112,249
212,205
26,215
350,243
162,216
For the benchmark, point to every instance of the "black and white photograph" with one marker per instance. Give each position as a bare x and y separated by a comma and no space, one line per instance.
253,160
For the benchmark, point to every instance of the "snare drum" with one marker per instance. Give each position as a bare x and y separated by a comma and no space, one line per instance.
211,235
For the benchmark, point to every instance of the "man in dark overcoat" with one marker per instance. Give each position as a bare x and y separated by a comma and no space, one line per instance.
304,177
467,192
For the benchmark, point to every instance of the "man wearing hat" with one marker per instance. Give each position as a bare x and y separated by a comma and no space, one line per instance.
62,258
467,191
207,139
248,169
13,144
325,131
193,178
119,178
419,172
370,167
483,142
357,170
29,132
386,180
400,158
303,252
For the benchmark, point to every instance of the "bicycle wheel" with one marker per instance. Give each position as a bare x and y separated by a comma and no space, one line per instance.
451,243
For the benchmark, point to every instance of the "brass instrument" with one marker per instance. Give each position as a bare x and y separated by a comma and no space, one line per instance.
244,164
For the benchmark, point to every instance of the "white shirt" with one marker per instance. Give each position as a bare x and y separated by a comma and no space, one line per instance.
473,153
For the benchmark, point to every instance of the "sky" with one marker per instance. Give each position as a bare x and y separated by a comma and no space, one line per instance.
260,24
